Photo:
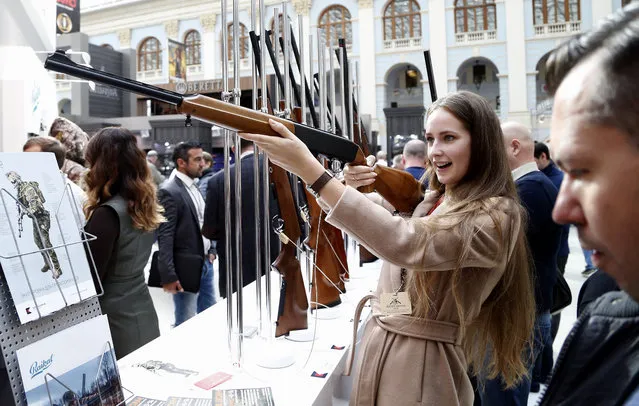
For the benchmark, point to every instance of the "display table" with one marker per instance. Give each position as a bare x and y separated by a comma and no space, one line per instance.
174,362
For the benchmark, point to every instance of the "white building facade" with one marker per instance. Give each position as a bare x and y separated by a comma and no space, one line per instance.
491,47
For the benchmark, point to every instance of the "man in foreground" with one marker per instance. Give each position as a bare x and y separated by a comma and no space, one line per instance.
595,141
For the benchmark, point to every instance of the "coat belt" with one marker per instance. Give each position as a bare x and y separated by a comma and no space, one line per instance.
409,326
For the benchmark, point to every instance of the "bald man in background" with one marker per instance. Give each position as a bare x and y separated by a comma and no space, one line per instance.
538,195
414,158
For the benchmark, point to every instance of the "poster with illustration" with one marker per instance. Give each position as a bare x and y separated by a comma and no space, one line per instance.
177,62
41,249
75,366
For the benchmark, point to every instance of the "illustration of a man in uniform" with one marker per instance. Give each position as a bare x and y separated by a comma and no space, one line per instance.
32,204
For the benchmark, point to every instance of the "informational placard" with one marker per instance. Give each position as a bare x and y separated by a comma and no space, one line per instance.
41,249
75,366
67,16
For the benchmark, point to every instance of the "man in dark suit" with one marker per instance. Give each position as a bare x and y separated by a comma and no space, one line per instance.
180,240
548,167
538,196
214,227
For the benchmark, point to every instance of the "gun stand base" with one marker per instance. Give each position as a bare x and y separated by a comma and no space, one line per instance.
304,336
327,313
274,356
249,331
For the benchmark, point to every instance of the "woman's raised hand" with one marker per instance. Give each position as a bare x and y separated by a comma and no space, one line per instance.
360,175
288,152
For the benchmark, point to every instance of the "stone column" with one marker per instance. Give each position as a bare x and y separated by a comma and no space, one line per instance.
437,44
516,54
208,45
600,9
367,92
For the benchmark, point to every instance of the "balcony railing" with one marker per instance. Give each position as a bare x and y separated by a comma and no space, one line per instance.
194,70
244,64
558,29
403,43
475,36
154,74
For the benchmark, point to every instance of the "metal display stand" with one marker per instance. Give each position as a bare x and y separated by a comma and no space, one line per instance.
13,334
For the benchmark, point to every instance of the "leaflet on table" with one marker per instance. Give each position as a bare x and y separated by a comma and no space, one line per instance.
73,366
37,212
140,401
243,397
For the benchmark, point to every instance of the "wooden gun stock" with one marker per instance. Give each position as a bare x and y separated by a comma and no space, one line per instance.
291,314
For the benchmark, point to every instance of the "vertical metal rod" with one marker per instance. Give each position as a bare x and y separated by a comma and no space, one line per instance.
300,26
256,191
264,107
320,79
342,94
276,42
286,35
237,93
311,88
227,189
266,229
331,75
349,91
356,70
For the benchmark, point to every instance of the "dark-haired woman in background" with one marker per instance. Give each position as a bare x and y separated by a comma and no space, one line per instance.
122,212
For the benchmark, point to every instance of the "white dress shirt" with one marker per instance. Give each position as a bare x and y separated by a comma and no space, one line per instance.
525,169
198,201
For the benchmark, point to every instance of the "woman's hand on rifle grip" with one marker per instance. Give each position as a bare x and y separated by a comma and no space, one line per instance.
360,175
288,152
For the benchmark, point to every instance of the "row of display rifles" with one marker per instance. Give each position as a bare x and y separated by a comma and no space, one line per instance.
345,142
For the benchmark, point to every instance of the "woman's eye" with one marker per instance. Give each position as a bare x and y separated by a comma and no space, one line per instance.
429,140
449,138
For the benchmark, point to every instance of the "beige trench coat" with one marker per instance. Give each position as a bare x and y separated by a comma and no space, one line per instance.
406,360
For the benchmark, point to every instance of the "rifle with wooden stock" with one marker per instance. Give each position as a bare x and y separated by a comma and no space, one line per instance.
293,305
404,193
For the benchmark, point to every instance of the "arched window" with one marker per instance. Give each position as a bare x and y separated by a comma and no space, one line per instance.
192,46
149,55
244,41
475,15
335,23
402,20
556,11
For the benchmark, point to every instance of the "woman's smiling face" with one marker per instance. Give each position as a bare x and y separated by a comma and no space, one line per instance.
448,146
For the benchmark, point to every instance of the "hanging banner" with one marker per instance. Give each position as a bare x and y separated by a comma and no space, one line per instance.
67,16
177,62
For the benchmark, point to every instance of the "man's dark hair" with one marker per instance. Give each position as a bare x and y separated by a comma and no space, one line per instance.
541,148
47,144
182,149
245,143
614,91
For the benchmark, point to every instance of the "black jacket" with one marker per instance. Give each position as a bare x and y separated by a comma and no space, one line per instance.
599,361
538,195
181,231
214,226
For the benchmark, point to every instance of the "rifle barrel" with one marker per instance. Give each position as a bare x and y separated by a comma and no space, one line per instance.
229,116
59,62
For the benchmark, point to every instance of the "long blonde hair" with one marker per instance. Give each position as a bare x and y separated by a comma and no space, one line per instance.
118,166
506,318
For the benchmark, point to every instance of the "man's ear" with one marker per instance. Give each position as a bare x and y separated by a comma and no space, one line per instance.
516,146
544,156
180,163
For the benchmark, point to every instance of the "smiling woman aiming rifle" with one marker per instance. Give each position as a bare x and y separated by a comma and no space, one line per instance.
455,280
